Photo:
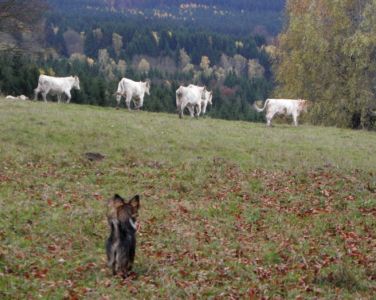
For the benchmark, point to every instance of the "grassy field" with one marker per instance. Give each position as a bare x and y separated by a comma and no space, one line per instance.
229,209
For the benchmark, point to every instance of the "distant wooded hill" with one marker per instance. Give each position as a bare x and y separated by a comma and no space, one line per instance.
237,17
276,5
262,5
220,44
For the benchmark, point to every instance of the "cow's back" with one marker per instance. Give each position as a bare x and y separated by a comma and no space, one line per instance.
49,81
126,84
282,106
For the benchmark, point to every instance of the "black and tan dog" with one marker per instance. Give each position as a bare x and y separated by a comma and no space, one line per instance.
121,244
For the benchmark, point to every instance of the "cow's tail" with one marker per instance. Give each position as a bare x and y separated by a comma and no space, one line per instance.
260,109
179,95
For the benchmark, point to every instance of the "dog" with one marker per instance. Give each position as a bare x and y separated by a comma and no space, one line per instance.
121,244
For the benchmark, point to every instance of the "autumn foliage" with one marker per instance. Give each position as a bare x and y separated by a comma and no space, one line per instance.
326,54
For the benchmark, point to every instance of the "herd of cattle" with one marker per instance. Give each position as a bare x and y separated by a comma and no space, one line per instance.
192,97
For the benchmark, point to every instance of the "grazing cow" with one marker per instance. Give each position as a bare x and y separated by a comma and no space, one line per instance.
283,107
130,89
56,86
192,97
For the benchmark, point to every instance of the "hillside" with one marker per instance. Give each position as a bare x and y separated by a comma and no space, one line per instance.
229,209
237,17
224,49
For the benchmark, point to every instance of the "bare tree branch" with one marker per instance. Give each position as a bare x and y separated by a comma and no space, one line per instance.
19,17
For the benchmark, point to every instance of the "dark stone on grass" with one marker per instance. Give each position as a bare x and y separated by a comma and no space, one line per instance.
94,156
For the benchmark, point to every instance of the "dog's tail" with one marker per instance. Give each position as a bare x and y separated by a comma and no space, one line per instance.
260,109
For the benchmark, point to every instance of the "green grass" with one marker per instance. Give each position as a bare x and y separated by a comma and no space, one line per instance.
229,209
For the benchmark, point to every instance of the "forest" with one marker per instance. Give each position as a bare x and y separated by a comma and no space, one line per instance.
229,18
102,46
241,50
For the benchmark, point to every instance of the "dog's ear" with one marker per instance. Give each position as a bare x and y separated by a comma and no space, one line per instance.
134,202
118,197
118,201
113,206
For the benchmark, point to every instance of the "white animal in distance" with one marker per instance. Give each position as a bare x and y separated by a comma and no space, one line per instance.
286,107
193,97
132,90
56,86
21,97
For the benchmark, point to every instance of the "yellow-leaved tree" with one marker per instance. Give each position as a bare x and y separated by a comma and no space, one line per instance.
327,54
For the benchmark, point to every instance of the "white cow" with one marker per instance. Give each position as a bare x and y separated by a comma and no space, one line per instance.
289,107
192,97
207,99
21,97
130,89
56,86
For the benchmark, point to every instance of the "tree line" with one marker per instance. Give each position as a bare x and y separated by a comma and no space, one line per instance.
232,98
238,70
325,53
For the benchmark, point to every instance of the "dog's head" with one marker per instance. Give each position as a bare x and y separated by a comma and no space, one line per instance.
123,211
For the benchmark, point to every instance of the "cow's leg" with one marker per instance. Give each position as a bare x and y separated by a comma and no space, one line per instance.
191,110
58,98
36,92
118,99
269,117
178,109
198,110
141,102
137,102
181,113
128,101
44,95
295,119
204,107
68,94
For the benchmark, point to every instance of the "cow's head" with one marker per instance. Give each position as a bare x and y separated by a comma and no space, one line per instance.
76,83
304,105
147,86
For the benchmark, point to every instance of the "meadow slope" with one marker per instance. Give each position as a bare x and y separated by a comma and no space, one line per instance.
229,209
